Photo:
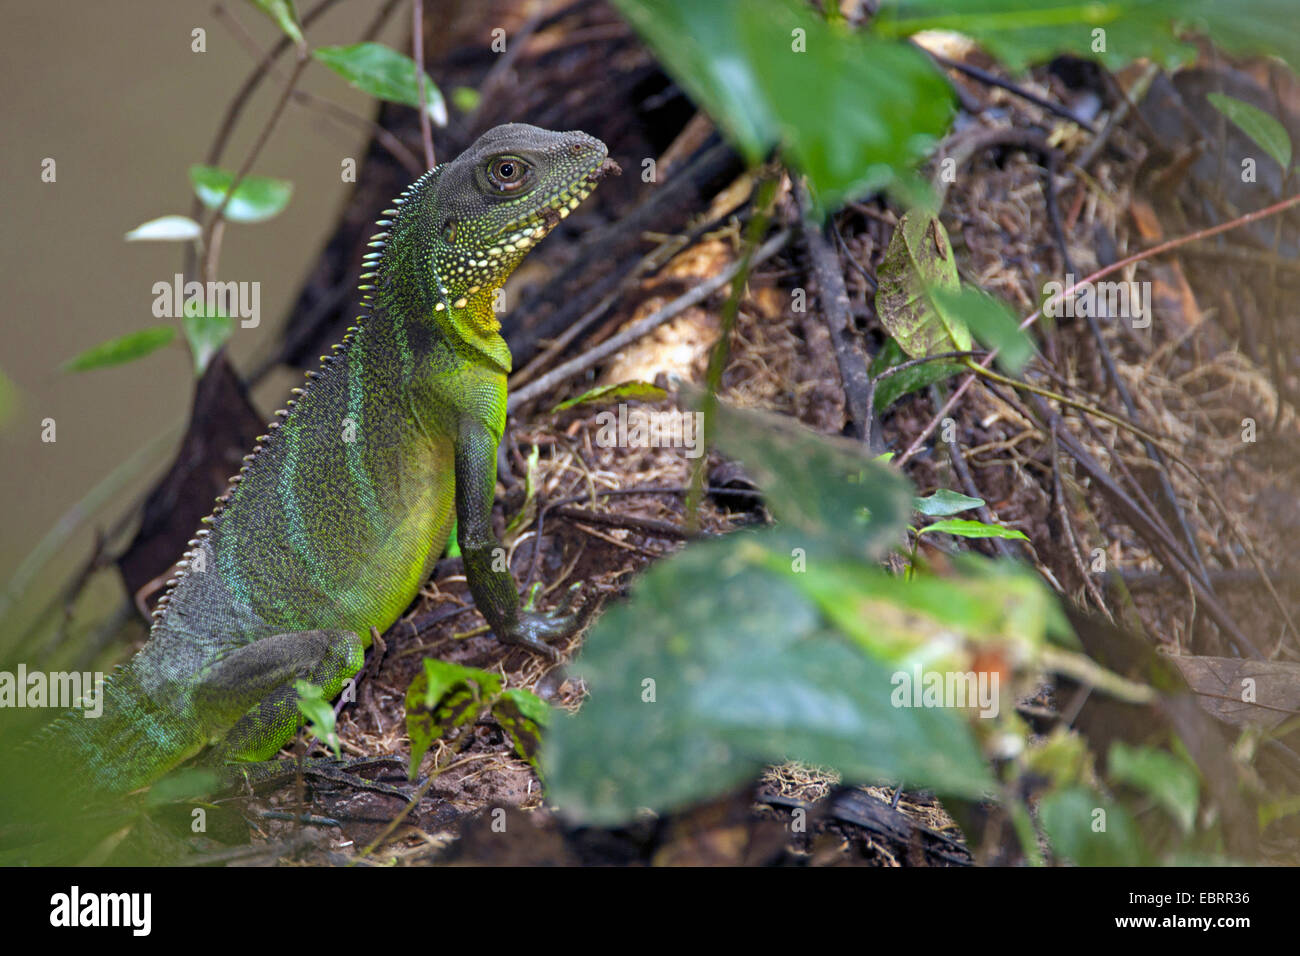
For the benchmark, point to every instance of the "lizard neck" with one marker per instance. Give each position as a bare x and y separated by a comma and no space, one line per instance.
418,282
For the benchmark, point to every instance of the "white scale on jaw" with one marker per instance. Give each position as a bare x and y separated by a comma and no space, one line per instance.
519,241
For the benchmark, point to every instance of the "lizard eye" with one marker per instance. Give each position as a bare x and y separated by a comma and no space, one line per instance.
449,232
507,173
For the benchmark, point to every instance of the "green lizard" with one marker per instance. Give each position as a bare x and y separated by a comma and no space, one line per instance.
340,512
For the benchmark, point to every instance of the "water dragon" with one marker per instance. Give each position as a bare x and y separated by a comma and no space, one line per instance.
340,512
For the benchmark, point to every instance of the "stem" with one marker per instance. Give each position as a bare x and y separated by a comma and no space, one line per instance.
1116,420
1086,671
417,40
210,262
763,194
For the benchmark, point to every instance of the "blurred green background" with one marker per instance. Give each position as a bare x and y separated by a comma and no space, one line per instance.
113,93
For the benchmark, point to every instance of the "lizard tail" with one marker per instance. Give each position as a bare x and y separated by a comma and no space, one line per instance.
122,742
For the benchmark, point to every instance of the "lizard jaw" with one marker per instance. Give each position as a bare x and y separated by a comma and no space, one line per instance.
527,231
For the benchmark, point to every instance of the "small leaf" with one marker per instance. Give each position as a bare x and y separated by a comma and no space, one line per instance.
282,12
126,348
256,199
442,697
965,528
522,714
1266,132
166,229
385,74
641,391
206,333
319,714
1171,782
938,618
944,502
918,262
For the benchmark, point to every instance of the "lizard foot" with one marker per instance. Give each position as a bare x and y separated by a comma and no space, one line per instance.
533,628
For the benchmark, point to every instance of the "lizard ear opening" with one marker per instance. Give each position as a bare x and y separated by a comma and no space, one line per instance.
449,232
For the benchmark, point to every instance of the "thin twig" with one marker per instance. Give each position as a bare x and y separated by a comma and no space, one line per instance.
1101,273
991,79
764,195
652,262
833,297
236,108
218,216
1058,491
331,109
417,42
640,329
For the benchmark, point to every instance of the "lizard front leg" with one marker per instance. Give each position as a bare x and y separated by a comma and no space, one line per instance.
489,580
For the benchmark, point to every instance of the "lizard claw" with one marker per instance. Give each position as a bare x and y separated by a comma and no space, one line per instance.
570,596
534,628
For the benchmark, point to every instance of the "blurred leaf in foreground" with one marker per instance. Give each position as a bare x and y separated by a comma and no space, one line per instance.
852,112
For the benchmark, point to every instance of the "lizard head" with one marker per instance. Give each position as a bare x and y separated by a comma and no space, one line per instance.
501,196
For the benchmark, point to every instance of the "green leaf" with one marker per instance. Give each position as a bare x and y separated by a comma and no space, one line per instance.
694,689
815,484
185,784
385,74
257,198
166,229
1089,831
522,714
929,619
319,714
891,389
465,98
992,323
126,348
944,502
1266,132
206,333
966,528
1020,32
851,112
1171,782
442,697
918,264
1247,26
282,12
642,391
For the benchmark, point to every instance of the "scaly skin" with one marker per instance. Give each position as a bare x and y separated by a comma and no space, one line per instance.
341,511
